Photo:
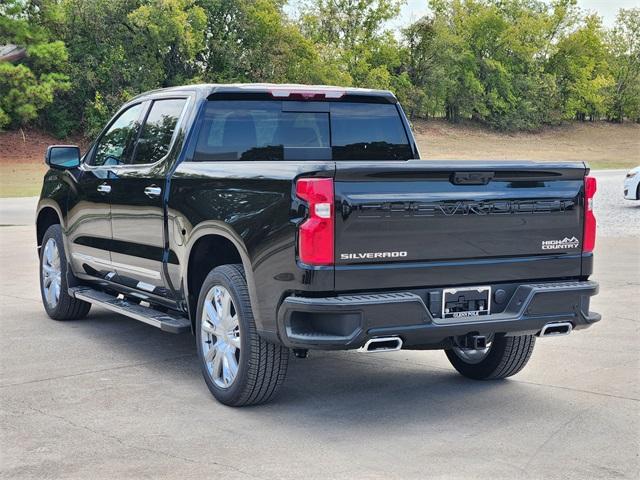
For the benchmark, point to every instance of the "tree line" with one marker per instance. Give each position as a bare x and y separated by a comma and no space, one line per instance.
508,64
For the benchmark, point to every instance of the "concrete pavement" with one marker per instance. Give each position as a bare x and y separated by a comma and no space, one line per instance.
18,211
109,397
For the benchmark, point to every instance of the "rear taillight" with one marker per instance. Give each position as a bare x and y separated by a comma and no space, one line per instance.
589,238
315,240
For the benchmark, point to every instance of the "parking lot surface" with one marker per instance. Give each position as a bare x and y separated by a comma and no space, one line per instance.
109,397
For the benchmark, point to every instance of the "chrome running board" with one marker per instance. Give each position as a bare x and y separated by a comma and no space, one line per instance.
167,322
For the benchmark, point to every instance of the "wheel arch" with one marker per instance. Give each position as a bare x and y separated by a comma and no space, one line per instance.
47,215
211,245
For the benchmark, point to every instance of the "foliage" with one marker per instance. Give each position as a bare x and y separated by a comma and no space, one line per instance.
510,64
28,87
486,60
123,47
582,72
252,40
623,46
351,32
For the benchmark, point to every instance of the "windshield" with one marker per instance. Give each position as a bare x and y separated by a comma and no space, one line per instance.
288,130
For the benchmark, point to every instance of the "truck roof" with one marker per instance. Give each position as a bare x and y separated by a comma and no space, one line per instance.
207,89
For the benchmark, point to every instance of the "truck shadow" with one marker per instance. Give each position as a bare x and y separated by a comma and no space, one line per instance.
327,388
386,389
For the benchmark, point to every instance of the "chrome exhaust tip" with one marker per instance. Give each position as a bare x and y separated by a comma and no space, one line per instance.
381,344
556,329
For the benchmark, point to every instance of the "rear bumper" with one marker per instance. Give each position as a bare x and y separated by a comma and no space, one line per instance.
347,322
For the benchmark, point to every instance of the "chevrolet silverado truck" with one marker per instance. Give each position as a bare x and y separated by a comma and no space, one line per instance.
269,219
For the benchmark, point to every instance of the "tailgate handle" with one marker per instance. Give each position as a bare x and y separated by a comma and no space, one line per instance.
471,178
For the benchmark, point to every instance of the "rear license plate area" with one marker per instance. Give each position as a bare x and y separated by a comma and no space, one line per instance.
466,302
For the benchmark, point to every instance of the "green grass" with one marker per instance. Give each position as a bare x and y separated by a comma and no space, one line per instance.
21,179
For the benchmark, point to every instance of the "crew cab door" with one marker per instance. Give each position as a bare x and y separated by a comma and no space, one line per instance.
89,220
137,208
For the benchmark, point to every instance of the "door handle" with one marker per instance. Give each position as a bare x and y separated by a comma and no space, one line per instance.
152,191
104,188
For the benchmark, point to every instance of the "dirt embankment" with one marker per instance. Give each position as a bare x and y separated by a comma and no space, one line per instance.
22,160
603,145
29,145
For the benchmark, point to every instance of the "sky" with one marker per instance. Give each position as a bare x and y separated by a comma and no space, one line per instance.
607,9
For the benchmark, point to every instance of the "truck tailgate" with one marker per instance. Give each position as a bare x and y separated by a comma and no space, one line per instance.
420,217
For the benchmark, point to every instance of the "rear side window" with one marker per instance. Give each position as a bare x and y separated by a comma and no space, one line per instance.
158,130
274,130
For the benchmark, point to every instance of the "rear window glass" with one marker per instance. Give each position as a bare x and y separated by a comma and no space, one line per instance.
255,130
368,132
274,130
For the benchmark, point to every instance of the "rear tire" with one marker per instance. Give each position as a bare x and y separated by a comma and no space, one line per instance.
239,367
505,356
54,287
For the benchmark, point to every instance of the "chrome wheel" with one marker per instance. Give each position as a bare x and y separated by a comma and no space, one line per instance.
51,273
220,336
473,356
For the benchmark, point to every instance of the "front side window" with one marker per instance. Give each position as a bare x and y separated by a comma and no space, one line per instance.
115,147
158,129
274,130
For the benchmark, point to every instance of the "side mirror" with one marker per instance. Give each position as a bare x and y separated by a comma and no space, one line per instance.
63,157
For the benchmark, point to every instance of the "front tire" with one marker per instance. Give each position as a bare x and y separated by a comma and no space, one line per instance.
504,357
54,288
239,367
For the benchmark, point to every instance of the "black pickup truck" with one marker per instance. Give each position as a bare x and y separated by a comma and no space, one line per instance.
274,218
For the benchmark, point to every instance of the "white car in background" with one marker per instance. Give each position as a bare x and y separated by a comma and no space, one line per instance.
632,184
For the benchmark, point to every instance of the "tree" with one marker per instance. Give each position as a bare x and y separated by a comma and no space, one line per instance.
253,40
509,64
581,67
484,59
441,65
623,47
29,85
352,33
120,48
166,36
